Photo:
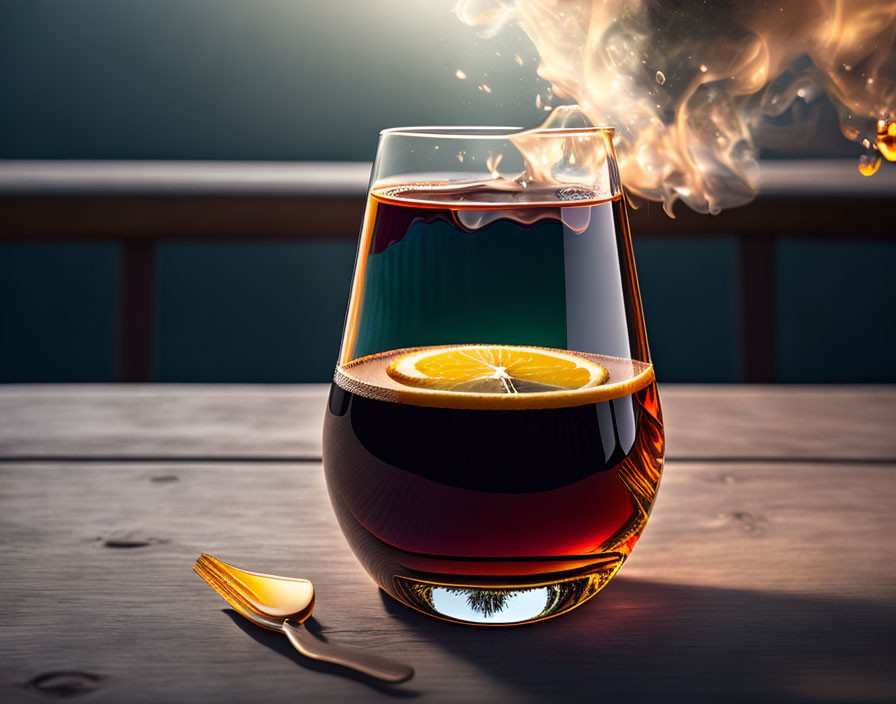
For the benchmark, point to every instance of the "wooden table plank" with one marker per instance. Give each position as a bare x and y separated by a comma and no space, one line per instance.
246,421
162,420
778,421
754,582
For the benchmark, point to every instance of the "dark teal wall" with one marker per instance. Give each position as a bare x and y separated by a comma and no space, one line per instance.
250,312
58,312
689,290
245,79
273,312
258,79
836,320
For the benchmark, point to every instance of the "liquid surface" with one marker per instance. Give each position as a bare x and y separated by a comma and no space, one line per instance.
498,193
369,377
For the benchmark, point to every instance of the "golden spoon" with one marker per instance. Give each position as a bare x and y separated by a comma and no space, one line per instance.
282,604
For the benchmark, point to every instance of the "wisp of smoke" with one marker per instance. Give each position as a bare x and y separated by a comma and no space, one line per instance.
688,85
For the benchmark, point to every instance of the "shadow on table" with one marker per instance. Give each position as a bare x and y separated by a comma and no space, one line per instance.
280,644
642,641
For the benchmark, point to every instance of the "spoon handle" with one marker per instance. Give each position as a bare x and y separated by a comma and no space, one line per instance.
355,658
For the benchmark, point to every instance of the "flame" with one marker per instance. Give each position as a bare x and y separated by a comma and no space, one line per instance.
886,139
869,163
689,85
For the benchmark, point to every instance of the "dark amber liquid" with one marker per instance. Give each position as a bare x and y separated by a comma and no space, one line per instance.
480,497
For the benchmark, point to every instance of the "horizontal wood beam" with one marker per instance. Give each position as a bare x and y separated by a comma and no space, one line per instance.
189,200
799,216
180,217
339,217
184,178
787,178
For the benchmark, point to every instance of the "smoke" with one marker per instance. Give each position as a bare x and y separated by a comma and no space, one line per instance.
692,86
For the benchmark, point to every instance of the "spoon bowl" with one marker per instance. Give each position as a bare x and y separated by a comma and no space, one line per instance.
268,598
283,604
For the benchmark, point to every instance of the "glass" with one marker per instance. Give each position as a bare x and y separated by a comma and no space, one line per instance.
493,442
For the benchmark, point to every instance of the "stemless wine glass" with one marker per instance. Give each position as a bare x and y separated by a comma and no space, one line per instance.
493,442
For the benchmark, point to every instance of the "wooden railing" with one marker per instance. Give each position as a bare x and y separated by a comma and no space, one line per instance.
141,203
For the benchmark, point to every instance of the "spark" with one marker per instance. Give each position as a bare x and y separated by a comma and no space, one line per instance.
492,164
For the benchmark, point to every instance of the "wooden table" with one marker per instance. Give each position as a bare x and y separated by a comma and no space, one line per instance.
767,572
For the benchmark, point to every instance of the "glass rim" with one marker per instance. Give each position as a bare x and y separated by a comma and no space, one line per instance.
491,132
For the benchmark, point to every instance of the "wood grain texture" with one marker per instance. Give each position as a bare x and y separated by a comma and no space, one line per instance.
161,420
764,582
251,421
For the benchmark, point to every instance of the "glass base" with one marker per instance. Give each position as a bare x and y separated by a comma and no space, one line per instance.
499,606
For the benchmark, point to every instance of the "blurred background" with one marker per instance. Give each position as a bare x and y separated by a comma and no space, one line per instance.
237,269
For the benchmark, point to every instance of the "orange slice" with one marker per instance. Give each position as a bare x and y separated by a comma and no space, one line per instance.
492,377
496,369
